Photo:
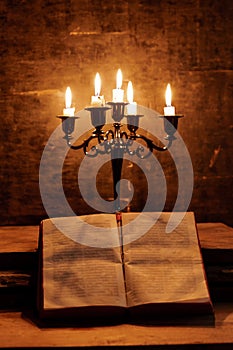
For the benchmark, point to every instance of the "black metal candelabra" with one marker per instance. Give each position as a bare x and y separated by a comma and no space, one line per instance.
115,141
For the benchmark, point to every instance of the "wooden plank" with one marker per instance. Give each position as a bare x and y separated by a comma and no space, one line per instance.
19,244
16,330
18,239
215,235
17,266
216,240
18,247
25,238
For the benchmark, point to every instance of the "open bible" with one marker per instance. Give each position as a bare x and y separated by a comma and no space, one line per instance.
126,274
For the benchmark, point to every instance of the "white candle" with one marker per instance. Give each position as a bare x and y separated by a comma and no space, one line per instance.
68,111
97,100
118,93
131,108
169,110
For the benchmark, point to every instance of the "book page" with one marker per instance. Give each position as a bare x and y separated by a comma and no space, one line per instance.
164,267
77,275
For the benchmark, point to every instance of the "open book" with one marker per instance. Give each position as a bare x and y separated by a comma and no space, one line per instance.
154,276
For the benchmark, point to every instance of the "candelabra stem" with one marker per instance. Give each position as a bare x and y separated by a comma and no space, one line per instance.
117,161
117,130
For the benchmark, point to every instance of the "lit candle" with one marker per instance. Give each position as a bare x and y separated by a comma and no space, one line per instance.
131,108
97,100
68,111
118,93
169,110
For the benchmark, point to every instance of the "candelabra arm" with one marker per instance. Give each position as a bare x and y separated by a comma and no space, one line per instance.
124,135
109,132
150,143
85,143
74,146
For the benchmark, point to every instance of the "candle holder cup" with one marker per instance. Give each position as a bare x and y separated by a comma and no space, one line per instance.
170,125
133,124
98,117
68,123
118,110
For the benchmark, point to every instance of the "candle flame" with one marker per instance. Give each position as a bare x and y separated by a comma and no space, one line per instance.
97,84
119,79
68,97
168,95
130,92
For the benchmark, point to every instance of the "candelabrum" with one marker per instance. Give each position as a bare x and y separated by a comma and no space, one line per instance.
115,141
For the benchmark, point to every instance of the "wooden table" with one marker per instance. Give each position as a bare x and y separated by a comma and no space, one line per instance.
18,246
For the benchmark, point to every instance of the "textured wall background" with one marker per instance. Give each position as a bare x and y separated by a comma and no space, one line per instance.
48,45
